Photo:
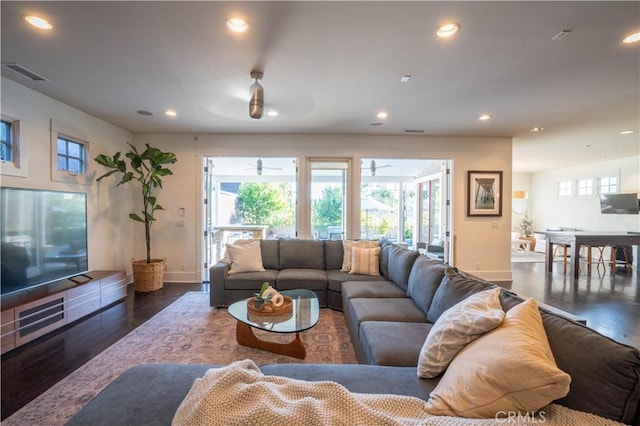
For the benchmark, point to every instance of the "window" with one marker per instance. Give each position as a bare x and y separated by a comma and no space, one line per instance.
7,141
70,159
585,187
71,156
564,189
608,185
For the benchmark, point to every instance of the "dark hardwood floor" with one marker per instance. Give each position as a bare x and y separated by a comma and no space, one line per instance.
609,302
33,368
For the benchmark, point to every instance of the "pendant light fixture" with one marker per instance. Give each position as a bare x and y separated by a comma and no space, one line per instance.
256,103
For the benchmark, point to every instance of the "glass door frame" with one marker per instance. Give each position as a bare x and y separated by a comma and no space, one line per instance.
304,196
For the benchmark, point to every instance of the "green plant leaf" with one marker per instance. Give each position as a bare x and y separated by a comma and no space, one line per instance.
264,287
136,217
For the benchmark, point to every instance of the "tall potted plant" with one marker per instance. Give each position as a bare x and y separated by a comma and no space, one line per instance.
147,168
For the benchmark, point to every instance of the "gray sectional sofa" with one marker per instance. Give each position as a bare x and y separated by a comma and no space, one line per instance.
290,264
389,319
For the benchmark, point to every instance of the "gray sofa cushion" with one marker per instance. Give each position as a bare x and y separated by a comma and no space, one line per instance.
270,254
333,255
371,289
337,277
359,378
312,279
399,264
385,246
250,280
384,309
454,288
301,254
393,343
150,394
424,279
134,397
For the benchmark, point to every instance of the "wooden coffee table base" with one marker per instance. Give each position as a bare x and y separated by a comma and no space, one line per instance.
245,337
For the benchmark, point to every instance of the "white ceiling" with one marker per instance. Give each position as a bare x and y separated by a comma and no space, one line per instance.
329,67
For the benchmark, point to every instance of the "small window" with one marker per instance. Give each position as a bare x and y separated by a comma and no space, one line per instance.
564,189
71,156
608,185
7,141
585,187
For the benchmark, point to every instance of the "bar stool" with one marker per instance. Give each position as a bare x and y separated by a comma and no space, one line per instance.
599,259
564,247
623,262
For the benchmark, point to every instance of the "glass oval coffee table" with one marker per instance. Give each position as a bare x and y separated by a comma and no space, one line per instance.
304,315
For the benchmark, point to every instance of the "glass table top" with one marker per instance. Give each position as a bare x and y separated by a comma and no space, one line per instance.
306,311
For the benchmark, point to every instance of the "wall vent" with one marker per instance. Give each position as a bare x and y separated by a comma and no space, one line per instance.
413,131
24,71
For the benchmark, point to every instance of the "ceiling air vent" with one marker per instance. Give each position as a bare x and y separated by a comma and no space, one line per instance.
23,71
414,131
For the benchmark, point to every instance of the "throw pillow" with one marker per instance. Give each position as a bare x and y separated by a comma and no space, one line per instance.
456,327
245,257
510,368
226,258
348,244
365,261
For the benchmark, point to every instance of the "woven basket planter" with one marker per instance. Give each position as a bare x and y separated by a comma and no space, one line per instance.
148,276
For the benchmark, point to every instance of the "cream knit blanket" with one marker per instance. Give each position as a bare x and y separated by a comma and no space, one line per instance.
239,394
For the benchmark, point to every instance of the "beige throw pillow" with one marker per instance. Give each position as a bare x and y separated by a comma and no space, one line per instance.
456,327
365,261
226,258
508,369
347,246
245,257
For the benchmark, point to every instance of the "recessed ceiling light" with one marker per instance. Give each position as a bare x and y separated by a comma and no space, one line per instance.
632,38
38,22
237,25
144,112
626,132
537,129
170,113
448,29
273,113
484,117
382,115
405,78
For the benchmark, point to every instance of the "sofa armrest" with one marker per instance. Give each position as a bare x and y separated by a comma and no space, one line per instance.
217,276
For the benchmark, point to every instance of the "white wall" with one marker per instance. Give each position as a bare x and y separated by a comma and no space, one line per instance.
583,212
482,244
109,227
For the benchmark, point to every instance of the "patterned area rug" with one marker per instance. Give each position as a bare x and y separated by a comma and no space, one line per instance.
188,332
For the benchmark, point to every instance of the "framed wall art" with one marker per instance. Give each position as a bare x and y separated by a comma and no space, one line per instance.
485,193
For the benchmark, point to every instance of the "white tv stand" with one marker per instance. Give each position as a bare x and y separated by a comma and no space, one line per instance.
29,314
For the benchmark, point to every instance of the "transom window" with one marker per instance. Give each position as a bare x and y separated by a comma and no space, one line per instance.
6,132
564,189
608,185
71,155
585,187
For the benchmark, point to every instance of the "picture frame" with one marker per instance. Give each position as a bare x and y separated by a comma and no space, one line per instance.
484,196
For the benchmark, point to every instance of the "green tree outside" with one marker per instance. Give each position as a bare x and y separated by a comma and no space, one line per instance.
327,210
264,204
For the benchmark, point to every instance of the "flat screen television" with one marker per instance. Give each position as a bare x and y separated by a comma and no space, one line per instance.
44,237
619,203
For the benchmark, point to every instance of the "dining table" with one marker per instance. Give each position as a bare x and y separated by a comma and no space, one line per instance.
576,239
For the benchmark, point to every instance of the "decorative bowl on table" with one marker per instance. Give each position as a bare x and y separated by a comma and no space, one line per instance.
266,308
